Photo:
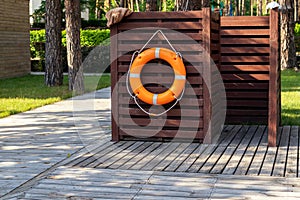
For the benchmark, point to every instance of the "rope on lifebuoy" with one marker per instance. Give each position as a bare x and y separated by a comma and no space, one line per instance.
175,92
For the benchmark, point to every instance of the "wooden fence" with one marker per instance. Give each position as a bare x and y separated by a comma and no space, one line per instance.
188,116
250,70
245,49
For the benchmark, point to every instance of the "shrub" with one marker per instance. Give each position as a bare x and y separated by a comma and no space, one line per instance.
297,29
88,39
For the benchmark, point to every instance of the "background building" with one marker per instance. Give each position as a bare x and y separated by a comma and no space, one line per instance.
14,38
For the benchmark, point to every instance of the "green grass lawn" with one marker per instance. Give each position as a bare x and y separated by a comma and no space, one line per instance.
290,97
28,92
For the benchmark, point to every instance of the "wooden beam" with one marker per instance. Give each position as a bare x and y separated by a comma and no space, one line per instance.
274,85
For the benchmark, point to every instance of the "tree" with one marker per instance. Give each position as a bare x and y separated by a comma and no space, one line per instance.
151,5
53,57
287,47
73,24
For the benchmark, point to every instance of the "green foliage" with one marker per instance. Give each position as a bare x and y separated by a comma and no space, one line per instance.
95,37
88,38
297,29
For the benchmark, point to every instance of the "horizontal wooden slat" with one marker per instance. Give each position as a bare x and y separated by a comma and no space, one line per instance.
250,68
193,48
243,77
174,112
245,58
246,119
165,15
240,112
244,50
188,91
246,86
190,58
170,25
232,32
246,103
245,41
133,36
184,101
189,69
246,94
163,133
187,123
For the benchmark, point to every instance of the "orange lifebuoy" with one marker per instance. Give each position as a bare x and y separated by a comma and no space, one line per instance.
179,80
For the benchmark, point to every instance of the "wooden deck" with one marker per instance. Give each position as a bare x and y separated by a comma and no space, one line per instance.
91,184
242,150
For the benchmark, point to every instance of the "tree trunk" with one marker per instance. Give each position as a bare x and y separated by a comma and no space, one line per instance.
73,24
236,7
260,7
53,64
151,5
137,5
287,47
243,8
251,7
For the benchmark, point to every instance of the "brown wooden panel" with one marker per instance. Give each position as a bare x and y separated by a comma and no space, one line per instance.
250,68
184,101
245,77
246,119
187,123
165,133
247,103
245,50
247,86
173,113
246,94
191,58
193,48
165,15
245,58
145,36
249,32
244,41
188,91
169,25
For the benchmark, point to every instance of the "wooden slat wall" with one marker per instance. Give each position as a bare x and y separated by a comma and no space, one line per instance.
183,114
245,55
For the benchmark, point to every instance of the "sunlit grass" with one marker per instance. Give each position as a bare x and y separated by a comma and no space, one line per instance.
290,97
29,92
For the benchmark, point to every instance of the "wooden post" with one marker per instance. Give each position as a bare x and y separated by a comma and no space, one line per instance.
114,83
206,33
274,83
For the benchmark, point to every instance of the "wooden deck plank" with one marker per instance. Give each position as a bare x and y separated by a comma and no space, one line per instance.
129,156
87,155
159,158
151,156
281,156
101,152
211,162
258,158
91,183
238,133
191,158
200,161
269,160
240,150
173,155
250,152
292,159
175,164
119,155
140,155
